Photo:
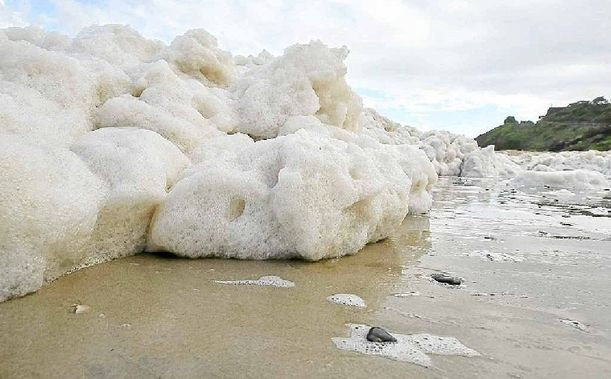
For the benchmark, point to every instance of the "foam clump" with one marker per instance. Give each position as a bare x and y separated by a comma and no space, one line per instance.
273,281
138,167
483,163
347,299
598,161
456,155
408,348
575,179
303,195
308,80
48,211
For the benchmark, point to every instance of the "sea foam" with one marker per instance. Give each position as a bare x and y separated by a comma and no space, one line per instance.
112,144
411,348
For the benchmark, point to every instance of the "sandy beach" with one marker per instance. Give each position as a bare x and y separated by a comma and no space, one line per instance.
527,277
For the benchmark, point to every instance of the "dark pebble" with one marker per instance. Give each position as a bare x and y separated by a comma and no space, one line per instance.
377,334
443,278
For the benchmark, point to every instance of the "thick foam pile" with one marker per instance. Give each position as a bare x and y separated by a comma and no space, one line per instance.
48,212
301,195
457,155
111,144
485,162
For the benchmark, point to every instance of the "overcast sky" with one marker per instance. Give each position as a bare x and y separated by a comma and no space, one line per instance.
445,64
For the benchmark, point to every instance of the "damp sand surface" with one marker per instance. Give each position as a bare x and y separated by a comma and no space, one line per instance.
544,314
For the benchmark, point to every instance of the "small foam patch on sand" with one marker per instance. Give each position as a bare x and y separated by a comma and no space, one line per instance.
406,294
347,299
495,257
411,348
575,324
274,281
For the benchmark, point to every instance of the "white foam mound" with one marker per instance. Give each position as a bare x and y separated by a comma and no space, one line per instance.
111,143
273,281
412,348
109,139
598,161
301,195
457,155
347,299
48,210
483,163
308,80
574,179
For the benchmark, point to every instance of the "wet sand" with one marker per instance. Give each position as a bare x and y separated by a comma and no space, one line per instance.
525,271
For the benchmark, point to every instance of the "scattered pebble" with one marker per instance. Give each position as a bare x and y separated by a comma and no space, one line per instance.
347,299
447,279
274,281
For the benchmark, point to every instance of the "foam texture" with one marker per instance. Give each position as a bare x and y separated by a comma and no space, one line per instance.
412,348
112,144
347,299
273,281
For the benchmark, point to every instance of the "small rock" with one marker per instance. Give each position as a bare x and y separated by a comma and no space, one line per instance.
447,279
377,334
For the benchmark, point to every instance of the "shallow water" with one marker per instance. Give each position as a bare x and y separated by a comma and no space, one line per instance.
534,301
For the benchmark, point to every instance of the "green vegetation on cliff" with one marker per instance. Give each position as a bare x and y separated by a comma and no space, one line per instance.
584,125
